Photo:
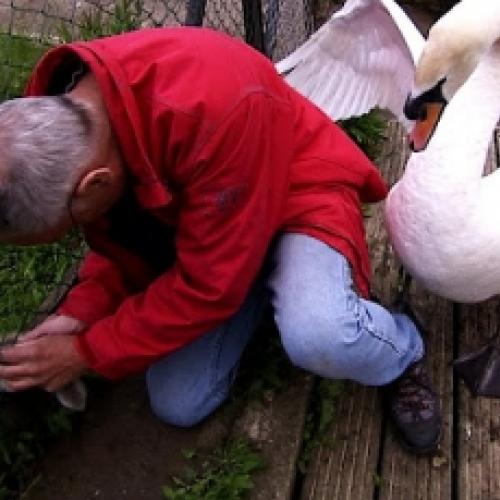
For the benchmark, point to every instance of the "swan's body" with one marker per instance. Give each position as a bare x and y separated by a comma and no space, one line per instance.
442,215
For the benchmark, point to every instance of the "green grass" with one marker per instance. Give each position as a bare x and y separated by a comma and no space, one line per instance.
264,367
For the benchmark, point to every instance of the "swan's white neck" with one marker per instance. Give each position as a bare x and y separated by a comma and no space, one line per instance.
465,128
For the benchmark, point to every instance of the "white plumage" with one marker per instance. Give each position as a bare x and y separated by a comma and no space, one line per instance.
363,57
442,214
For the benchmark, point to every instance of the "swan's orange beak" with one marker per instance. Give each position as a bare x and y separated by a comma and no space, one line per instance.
425,126
425,109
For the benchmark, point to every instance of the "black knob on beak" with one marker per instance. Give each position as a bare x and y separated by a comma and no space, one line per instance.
415,108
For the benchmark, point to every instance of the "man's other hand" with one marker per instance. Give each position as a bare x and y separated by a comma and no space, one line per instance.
44,357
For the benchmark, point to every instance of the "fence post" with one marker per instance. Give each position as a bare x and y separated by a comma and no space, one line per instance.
271,27
252,18
195,12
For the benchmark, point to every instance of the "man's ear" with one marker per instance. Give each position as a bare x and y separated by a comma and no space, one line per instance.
94,182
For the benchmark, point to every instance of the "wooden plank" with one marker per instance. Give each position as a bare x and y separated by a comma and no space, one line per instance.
478,446
404,475
275,427
347,468
478,457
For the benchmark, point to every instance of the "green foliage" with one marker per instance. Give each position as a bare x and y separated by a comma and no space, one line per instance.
96,23
18,55
366,131
225,475
319,418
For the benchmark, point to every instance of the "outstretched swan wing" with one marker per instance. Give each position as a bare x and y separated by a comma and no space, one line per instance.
363,57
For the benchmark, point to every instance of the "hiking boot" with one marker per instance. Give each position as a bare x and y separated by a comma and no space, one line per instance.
413,408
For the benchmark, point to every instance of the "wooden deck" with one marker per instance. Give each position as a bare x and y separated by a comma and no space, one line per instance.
365,462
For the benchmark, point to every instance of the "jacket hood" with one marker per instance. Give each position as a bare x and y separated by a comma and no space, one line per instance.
102,56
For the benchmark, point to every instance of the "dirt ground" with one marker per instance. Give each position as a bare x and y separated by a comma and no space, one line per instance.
120,451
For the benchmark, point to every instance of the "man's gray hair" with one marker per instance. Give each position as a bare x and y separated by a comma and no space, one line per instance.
43,144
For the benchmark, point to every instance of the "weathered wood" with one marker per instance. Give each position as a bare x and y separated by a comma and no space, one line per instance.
478,457
404,475
345,468
478,438
275,427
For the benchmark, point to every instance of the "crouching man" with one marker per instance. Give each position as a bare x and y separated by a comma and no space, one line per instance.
189,164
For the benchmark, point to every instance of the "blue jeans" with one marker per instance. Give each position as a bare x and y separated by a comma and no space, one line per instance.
325,328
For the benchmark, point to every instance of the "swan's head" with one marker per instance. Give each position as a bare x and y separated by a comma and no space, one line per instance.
453,50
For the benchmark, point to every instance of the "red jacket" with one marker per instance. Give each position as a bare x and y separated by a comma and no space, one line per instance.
222,151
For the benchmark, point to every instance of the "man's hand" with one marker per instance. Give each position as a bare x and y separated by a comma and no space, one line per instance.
44,357
55,324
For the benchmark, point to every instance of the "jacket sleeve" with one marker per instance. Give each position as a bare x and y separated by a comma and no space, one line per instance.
232,206
100,290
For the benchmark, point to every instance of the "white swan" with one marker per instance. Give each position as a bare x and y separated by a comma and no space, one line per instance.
442,214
